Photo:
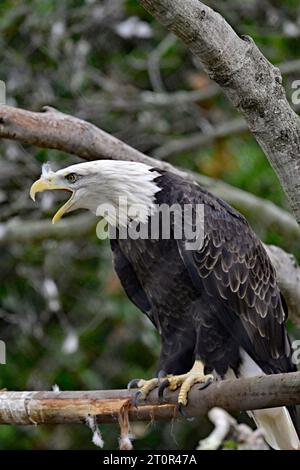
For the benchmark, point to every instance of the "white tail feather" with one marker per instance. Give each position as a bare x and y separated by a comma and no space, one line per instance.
278,427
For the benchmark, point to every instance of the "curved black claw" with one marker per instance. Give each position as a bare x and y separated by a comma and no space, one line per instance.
206,384
137,398
181,410
162,388
133,383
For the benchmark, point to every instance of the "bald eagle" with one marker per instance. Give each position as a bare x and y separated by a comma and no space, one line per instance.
217,307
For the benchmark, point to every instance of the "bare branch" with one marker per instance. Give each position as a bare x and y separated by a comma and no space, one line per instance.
23,231
200,139
152,99
55,130
289,67
251,83
197,140
73,407
226,427
288,276
262,212
154,62
141,100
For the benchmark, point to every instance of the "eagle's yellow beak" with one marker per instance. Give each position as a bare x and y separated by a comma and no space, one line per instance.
49,184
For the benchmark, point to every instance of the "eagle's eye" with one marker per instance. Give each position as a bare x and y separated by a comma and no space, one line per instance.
71,177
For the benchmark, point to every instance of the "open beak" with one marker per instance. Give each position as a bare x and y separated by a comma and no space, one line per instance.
48,184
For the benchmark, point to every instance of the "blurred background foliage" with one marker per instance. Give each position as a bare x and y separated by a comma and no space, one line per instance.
63,314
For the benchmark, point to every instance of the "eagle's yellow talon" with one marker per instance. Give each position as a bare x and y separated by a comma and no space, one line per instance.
175,381
182,400
145,387
186,381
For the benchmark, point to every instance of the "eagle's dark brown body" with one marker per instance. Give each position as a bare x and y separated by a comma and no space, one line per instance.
207,304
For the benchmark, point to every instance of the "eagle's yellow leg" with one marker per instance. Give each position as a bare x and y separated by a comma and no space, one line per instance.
186,381
146,386
172,382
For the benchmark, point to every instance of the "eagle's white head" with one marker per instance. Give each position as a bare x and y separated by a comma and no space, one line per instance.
112,189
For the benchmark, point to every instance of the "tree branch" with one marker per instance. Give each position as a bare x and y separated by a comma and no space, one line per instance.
55,130
226,427
251,83
74,406
141,100
199,139
288,277
24,231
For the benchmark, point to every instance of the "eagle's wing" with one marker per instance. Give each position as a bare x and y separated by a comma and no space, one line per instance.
128,278
233,268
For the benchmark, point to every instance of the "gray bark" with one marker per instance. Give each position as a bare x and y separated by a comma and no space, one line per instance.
39,407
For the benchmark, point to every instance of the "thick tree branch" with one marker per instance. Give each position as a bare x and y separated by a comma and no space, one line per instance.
251,83
55,130
74,407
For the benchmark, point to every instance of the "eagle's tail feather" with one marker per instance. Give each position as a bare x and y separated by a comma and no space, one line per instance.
277,423
278,427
